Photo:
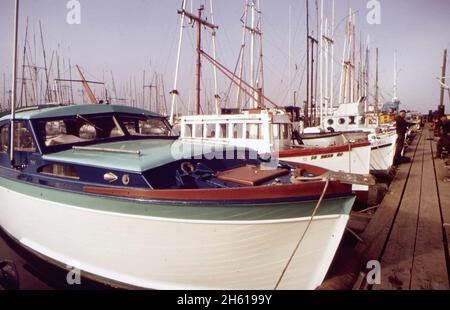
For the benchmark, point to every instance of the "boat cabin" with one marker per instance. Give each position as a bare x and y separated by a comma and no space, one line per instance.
262,130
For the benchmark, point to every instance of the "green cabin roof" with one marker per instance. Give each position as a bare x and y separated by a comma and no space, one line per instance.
154,153
54,111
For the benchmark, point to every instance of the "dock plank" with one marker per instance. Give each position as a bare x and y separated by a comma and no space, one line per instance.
397,260
378,230
444,196
429,264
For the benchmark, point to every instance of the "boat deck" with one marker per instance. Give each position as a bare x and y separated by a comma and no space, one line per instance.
409,234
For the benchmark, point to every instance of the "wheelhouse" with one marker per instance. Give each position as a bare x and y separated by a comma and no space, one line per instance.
263,131
43,132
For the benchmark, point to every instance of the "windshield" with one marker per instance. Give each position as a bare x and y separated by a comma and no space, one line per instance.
82,128
143,126
79,129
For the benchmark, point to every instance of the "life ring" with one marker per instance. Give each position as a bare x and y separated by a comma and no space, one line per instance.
187,167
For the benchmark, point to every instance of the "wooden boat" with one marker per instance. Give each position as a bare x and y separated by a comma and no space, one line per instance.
350,122
269,131
97,187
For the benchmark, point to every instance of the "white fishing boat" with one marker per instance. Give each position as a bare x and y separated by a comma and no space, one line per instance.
102,191
269,133
350,122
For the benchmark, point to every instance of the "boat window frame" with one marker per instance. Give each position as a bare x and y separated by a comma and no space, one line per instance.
29,129
40,140
147,117
259,131
223,134
61,176
8,138
210,130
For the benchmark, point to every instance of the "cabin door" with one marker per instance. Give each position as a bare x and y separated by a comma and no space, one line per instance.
24,145
4,144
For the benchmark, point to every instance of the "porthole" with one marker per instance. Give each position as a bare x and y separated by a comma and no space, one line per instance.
126,179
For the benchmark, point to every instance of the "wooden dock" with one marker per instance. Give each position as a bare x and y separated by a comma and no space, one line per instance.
410,234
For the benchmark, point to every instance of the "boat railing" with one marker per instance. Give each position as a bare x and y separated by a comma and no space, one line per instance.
106,150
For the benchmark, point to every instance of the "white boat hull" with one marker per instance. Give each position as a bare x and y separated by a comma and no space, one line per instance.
383,151
162,253
356,160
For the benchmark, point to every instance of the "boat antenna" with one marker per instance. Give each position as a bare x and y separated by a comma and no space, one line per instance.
13,81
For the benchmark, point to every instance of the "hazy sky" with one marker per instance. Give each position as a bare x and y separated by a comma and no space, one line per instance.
127,36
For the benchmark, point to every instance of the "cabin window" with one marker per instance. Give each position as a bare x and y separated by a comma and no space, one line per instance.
4,138
330,122
188,131
79,129
341,121
254,131
62,171
285,131
238,130
198,131
23,140
352,120
223,131
210,130
151,127
276,131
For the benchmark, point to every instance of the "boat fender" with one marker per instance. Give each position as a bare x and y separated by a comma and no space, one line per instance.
187,167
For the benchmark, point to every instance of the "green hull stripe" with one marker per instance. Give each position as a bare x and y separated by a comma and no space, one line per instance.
260,212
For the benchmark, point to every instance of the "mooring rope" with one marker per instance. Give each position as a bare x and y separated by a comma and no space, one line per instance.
327,182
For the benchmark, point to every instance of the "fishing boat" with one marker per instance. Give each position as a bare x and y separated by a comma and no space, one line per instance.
106,189
270,133
350,122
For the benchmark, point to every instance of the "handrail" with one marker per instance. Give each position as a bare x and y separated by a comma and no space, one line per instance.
106,150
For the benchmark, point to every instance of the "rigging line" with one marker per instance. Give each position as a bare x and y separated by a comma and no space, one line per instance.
222,68
327,183
227,74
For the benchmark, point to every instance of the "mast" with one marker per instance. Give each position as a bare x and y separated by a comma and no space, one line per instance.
241,56
444,72
199,59
47,88
71,84
14,81
260,82
377,90
395,98
331,102
367,76
175,92
252,50
307,66
4,91
216,87
326,95
23,90
290,56
200,22
320,64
